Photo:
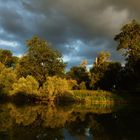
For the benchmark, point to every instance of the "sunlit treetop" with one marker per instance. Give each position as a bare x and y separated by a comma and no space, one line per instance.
129,38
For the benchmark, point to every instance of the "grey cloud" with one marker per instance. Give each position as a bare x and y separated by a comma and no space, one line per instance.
64,22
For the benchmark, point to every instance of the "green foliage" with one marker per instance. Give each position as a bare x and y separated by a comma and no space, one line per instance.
98,70
7,58
129,37
104,74
7,78
26,85
129,42
80,74
40,61
55,86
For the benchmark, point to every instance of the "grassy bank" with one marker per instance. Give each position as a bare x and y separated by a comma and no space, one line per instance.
76,96
97,96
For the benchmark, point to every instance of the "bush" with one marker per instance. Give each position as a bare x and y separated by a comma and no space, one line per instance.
55,86
7,78
26,85
82,86
72,84
2,67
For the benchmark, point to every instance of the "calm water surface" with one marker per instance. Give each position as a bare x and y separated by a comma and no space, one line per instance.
75,122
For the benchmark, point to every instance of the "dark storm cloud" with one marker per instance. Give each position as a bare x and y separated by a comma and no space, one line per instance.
79,29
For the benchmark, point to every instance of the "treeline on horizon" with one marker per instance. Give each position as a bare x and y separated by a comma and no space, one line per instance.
41,70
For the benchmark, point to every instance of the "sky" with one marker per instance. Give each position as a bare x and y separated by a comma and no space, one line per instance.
79,29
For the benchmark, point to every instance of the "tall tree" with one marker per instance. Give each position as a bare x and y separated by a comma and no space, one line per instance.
129,39
101,58
40,61
104,74
129,42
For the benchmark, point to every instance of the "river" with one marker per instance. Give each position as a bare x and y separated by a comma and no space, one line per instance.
73,122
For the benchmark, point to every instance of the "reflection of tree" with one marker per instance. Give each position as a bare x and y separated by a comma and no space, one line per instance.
6,121
50,115
81,126
19,123
25,115
77,127
46,122
54,118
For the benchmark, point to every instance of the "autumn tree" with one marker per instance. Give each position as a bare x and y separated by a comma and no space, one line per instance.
54,87
40,61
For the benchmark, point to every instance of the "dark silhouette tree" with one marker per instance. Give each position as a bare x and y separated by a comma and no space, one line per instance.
80,74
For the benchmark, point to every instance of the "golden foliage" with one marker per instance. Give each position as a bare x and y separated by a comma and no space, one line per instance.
82,86
72,84
55,86
26,85
7,78
2,67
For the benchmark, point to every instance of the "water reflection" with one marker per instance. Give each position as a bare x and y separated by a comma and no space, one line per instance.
76,122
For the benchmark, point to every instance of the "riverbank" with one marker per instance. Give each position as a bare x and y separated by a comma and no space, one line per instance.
74,96
98,96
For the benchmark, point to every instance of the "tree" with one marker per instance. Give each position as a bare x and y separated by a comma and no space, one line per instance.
97,74
129,39
99,66
104,74
7,58
102,57
111,76
55,86
129,42
40,61
80,74
84,63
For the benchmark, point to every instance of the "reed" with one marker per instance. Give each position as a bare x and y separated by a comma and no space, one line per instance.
97,96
